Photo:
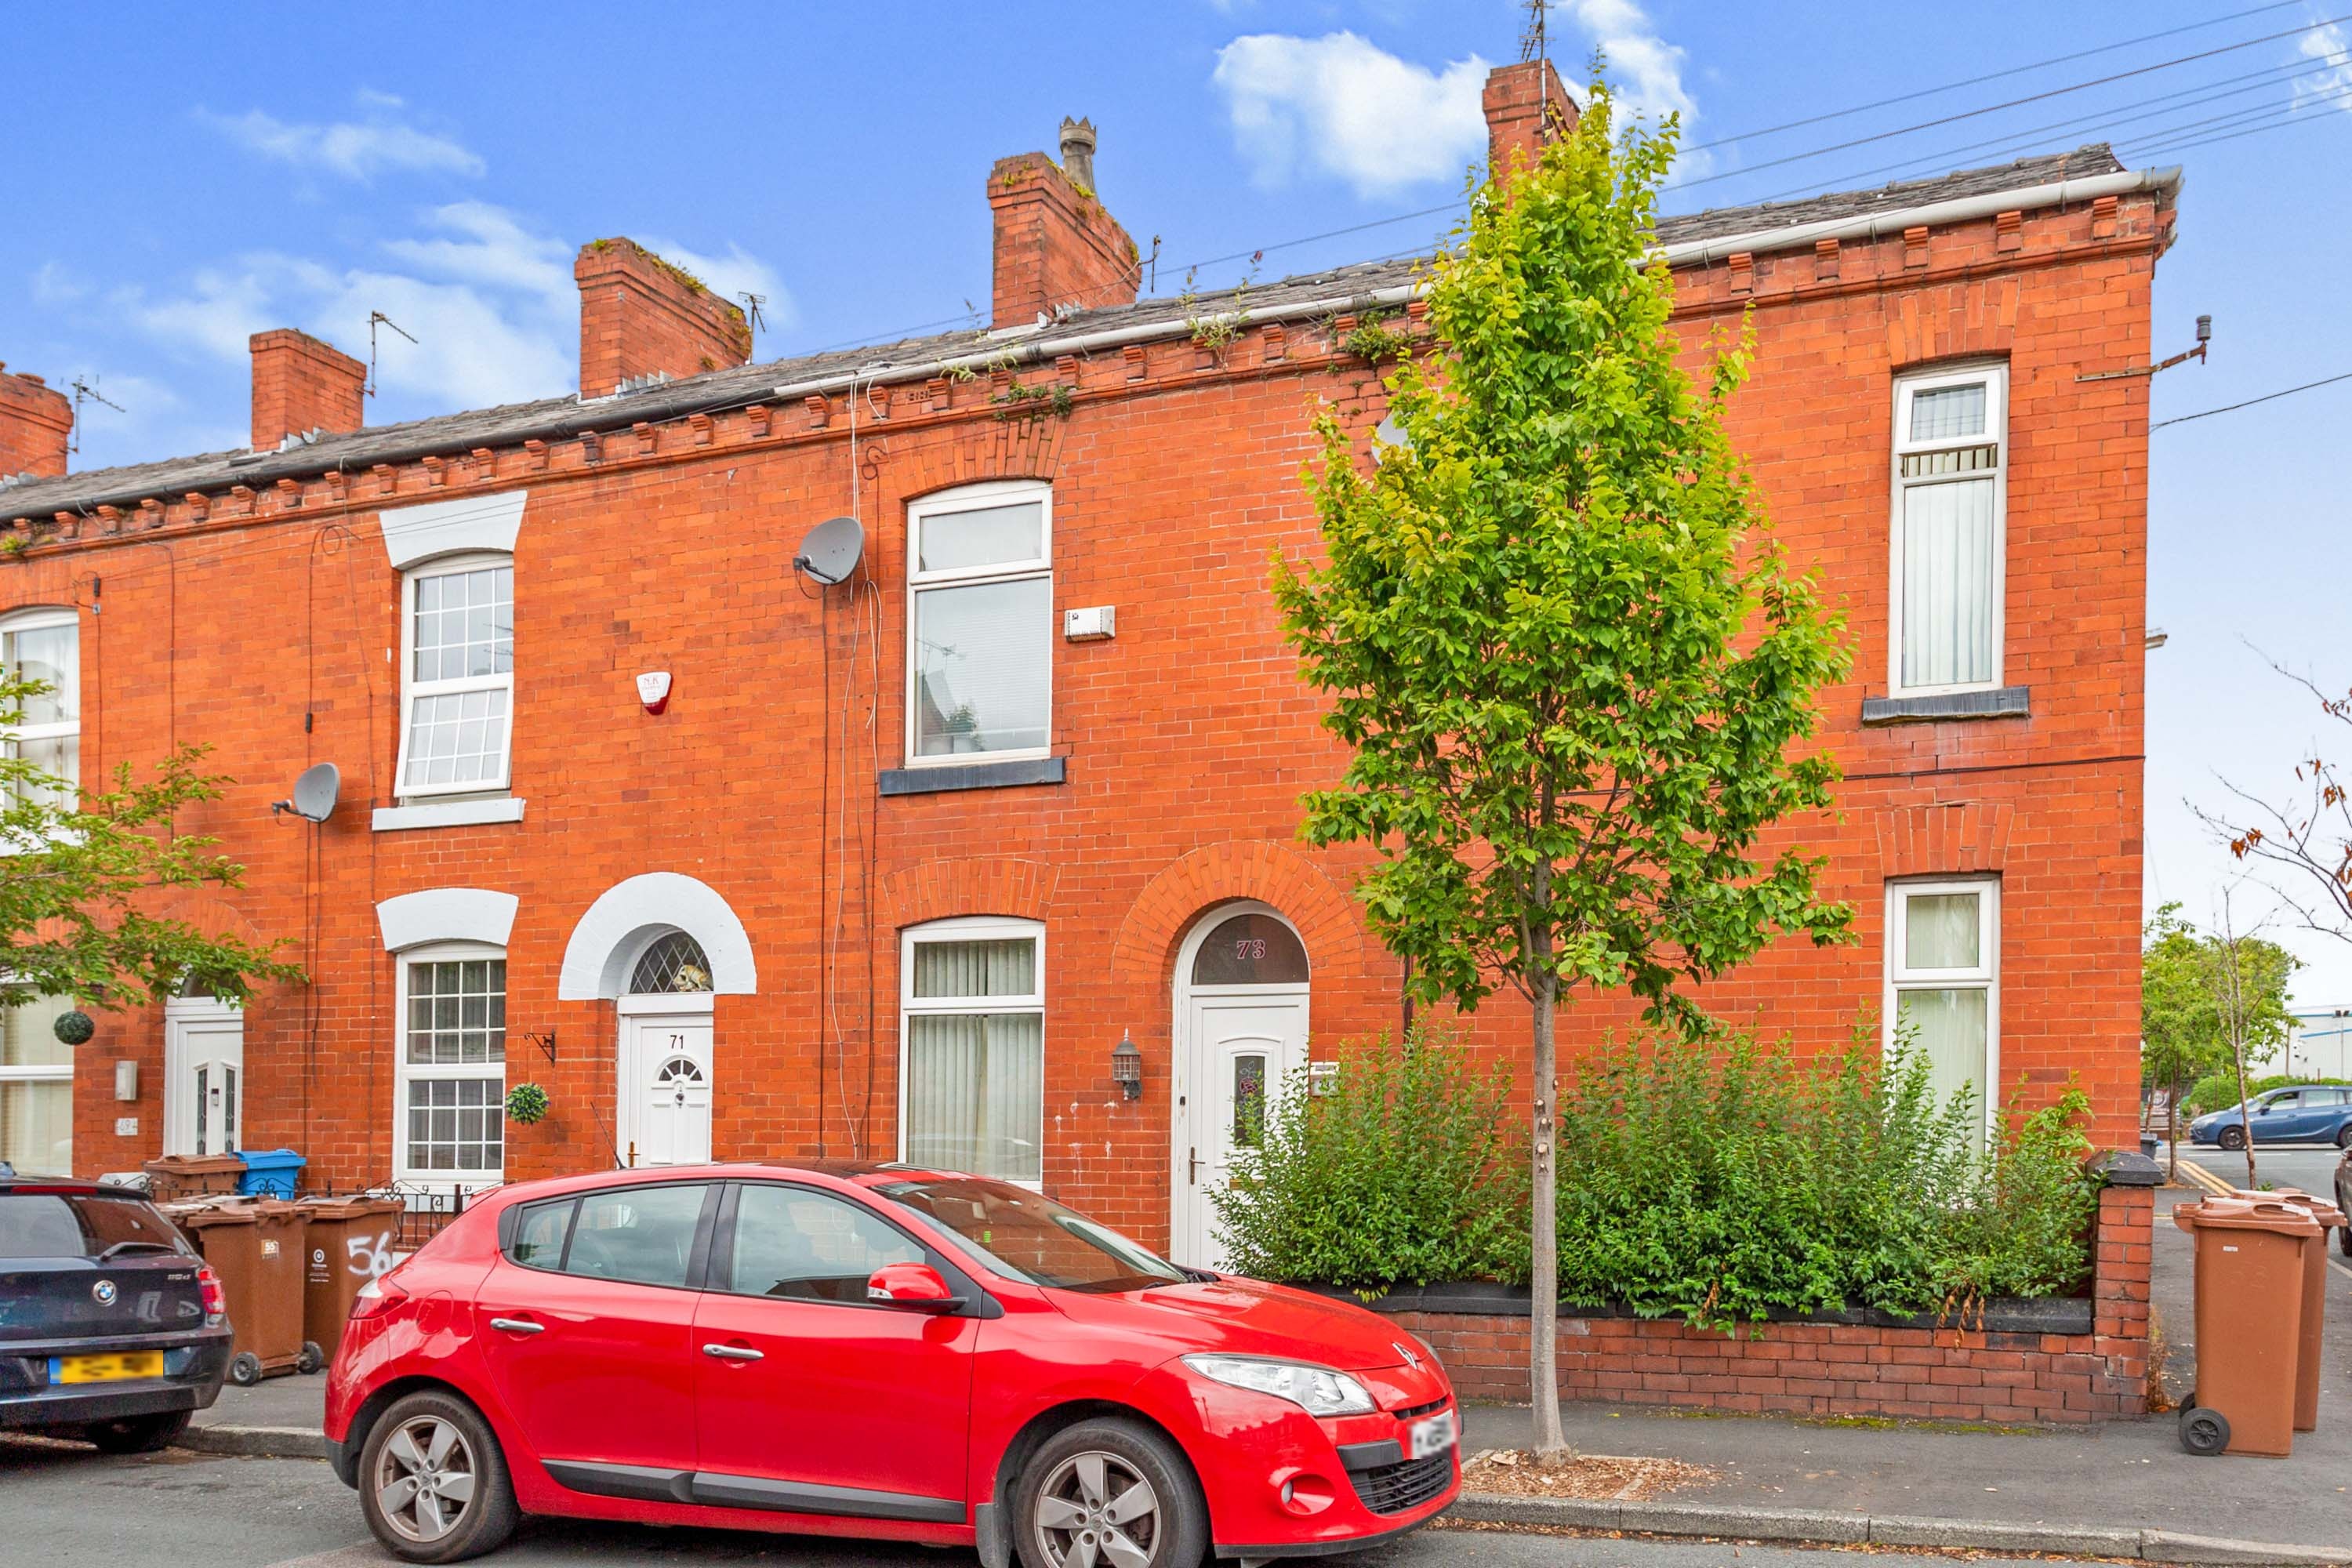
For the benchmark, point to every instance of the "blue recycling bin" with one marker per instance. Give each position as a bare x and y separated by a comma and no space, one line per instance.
270,1173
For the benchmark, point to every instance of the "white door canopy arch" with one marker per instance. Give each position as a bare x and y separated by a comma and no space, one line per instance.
630,915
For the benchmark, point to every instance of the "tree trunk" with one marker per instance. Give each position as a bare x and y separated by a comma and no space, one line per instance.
1543,1276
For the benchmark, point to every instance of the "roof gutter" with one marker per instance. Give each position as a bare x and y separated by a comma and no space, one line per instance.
1961,209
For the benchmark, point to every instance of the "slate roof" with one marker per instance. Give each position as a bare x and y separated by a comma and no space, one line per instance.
558,417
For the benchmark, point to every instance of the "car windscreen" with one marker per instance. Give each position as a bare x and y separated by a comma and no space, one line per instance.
81,1225
1024,1236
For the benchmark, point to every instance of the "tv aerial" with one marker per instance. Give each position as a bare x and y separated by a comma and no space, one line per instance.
831,552
315,794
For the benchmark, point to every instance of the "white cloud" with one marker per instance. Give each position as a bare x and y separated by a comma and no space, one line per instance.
732,276
2330,45
1645,70
351,149
493,249
55,284
1342,105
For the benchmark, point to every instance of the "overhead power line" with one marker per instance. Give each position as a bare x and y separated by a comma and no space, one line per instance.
2011,103
2249,402
1988,76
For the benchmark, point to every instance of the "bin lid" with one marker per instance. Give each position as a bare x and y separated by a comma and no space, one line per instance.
199,1216
349,1208
2247,1214
2320,1209
256,1159
194,1164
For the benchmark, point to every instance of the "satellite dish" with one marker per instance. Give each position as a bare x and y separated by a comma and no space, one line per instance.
315,794
829,554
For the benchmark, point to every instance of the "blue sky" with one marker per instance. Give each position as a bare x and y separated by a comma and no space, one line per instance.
177,179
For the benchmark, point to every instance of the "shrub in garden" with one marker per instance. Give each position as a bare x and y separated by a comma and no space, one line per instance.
1404,1172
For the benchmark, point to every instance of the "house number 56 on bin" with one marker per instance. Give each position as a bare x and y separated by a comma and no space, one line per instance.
370,1255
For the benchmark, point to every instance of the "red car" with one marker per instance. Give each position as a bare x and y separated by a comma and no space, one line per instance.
871,1351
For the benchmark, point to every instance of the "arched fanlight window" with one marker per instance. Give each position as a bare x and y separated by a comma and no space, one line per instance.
673,963
1251,950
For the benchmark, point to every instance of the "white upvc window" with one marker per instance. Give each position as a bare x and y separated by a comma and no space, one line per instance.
45,645
450,1082
1943,982
972,1012
37,1089
1951,502
456,662
979,624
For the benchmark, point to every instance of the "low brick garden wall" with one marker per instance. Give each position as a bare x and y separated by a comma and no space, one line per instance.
2066,1360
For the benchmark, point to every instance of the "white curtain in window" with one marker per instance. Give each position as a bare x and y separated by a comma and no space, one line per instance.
1948,1026
1939,931
998,968
1948,583
975,1091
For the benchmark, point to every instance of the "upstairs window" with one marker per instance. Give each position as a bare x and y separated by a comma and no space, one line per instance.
1951,465
458,677
45,646
979,624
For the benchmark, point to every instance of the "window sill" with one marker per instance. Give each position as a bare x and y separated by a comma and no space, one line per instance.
447,814
973,775
2002,702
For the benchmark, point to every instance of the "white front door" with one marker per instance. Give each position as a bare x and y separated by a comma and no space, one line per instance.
1238,1052
665,1088
204,1077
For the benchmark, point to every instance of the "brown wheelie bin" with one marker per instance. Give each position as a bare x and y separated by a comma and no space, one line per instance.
177,1176
256,1247
2249,1293
348,1242
2314,1297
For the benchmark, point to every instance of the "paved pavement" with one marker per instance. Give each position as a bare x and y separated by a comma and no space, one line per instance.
68,1508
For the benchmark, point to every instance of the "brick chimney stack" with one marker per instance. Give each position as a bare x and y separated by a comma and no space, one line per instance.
35,420
300,385
641,316
1525,108
1055,244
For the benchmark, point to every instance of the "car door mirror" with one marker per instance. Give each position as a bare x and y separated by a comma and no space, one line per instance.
914,1286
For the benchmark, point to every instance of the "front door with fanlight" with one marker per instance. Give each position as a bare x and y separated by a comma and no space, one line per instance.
665,1090
1241,1040
203,1076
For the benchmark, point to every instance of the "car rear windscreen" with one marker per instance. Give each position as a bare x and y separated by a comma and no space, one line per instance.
78,1225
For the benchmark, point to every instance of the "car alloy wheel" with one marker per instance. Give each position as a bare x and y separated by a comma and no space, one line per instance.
2233,1138
1096,1508
425,1478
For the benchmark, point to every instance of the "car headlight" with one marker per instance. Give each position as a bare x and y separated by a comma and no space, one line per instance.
1318,1390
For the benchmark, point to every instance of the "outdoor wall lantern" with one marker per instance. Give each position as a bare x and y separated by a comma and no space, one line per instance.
1126,1067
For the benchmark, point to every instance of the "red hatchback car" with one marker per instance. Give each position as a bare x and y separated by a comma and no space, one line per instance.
863,1349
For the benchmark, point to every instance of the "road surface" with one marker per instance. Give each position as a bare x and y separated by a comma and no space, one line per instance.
67,1507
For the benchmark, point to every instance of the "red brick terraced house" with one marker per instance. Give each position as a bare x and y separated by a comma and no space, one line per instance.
734,860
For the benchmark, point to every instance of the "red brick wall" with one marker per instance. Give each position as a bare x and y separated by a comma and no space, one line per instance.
1188,739
36,422
641,316
1825,1369
300,385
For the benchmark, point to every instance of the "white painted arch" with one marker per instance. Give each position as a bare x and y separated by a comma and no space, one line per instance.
446,914
629,914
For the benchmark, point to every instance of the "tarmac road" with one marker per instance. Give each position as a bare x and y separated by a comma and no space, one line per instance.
62,1506
2310,1166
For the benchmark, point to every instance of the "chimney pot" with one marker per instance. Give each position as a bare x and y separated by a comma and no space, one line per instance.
300,385
1078,153
36,424
642,320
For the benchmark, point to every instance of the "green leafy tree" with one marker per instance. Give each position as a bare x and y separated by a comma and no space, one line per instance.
1569,660
2189,1004
76,870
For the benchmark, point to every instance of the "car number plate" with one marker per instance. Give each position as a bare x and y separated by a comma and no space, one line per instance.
106,1368
1433,1436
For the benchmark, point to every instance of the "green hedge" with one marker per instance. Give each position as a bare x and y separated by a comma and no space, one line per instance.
1717,1183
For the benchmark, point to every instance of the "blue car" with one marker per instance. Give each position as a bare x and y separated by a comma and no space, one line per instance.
2304,1113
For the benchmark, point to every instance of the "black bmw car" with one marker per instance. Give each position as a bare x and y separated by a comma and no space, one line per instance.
112,1329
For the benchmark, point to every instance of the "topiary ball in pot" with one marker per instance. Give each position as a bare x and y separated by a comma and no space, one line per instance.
527,1103
75,1026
